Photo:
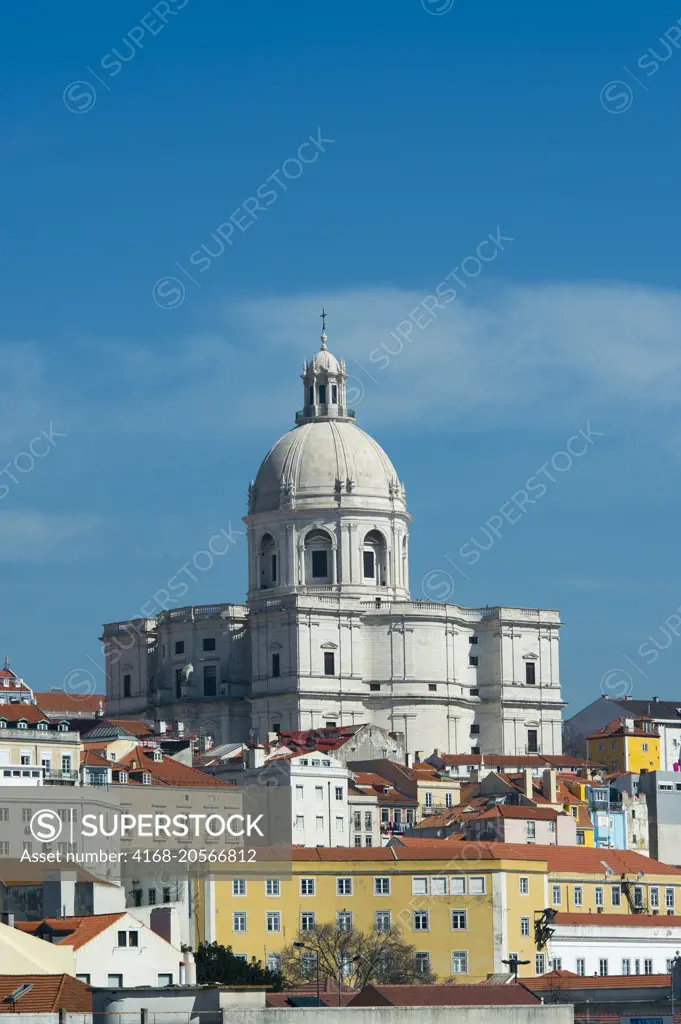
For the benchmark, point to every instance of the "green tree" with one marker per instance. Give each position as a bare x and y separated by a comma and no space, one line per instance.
217,965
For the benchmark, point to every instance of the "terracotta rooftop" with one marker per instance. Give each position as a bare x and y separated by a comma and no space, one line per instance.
568,980
167,772
90,758
137,726
444,995
616,728
79,930
59,701
15,712
48,993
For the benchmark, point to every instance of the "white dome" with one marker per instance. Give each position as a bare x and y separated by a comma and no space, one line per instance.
325,361
325,463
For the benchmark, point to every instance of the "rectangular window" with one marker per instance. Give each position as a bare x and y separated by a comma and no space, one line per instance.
477,885
616,896
210,680
178,682
654,897
274,962
626,967
358,840
669,899
339,792
644,748
539,963
179,647
239,921
459,961
163,980
458,920
580,966
307,887
419,886
122,939
344,921
340,824
472,659
166,895
343,887
239,887
556,963
319,565
529,673
127,688
438,887
114,981
319,793
475,729
4,848
457,885
555,895
152,897
647,966
524,926
209,643
382,921
532,741
275,665
530,831
420,920
322,394
381,886
638,895
272,887
580,837
422,962
577,895
84,977
599,896
603,967
329,663
524,885
319,820
369,569
367,820
368,841
449,800
473,640
429,799
307,921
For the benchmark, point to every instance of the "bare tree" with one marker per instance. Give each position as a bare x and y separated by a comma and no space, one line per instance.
360,956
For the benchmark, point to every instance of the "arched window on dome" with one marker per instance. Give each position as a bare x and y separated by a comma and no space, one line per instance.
269,562
318,558
374,559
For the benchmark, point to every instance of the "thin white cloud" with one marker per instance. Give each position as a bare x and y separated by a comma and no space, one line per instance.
35,536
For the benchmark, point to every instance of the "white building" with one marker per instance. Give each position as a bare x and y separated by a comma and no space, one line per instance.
613,944
329,634
112,950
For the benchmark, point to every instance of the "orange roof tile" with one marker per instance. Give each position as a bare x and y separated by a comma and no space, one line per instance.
168,772
444,995
58,701
15,712
567,980
80,930
48,993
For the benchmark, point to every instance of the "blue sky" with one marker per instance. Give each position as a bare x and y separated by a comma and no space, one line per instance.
441,129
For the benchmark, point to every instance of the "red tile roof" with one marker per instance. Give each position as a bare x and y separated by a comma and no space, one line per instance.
137,726
616,728
14,712
585,859
48,993
59,701
90,758
568,980
167,772
80,929
445,995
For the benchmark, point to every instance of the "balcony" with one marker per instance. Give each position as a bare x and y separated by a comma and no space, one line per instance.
59,776
393,826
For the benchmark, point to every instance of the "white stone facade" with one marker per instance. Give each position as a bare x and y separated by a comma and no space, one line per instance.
329,634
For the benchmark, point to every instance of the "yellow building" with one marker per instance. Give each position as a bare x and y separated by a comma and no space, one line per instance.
464,907
626,745
32,746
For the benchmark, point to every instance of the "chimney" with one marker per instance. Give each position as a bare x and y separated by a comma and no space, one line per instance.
160,727
628,724
527,783
410,760
548,785
255,757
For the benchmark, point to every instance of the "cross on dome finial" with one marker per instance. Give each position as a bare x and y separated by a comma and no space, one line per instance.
323,316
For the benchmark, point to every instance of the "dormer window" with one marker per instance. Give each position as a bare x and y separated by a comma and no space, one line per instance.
22,724
3,723
122,776
158,755
146,778
41,725
63,727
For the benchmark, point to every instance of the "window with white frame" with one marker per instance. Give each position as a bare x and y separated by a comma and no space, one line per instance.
307,886
626,966
457,885
344,920
476,885
344,887
539,963
307,921
577,895
438,887
669,899
555,895
422,962
272,887
616,896
420,921
273,921
603,967
458,920
239,921
599,896
419,886
524,885
238,887
654,896
382,921
382,886
580,966
524,926
647,966
459,961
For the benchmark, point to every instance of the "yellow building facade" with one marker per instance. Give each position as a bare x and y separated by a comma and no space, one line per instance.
464,907
626,745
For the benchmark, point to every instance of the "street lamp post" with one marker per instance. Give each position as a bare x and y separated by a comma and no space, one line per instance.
301,945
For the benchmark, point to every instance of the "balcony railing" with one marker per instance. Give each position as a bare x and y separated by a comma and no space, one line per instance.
59,776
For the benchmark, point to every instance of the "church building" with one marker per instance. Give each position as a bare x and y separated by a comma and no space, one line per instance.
329,634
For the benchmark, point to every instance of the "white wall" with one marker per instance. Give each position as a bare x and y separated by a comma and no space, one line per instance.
614,943
139,965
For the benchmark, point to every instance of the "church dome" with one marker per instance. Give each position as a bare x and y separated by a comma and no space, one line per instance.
326,463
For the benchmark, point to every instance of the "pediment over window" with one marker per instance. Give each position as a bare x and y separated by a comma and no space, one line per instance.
531,656
275,646
329,646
